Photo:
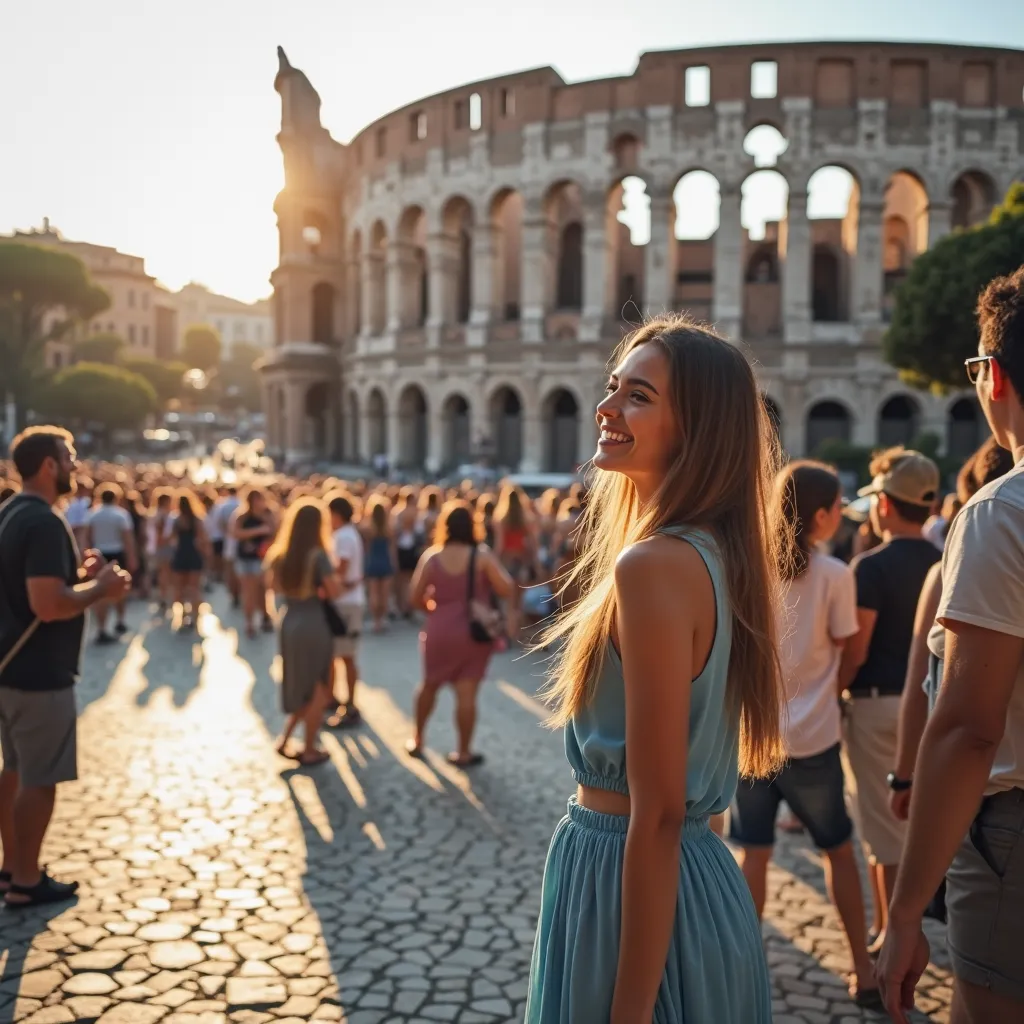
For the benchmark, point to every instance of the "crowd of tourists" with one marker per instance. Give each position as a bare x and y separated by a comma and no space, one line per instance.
725,640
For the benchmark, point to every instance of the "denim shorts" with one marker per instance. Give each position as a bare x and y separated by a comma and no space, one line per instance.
248,567
813,788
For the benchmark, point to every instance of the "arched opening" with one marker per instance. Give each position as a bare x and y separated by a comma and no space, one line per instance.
457,218
765,143
897,254
411,266
323,313
570,267
507,428
966,428
697,201
458,445
317,408
763,204
825,286
898,421
973,195
626,153
353,435
562,416
763,266
412,428
904,230
628,229
378,299
377,423
827,421
507,226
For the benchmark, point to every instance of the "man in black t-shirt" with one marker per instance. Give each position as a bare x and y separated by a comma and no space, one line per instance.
44,591
874,664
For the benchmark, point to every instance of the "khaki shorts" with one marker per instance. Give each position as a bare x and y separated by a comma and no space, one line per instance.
347,646
985,898
869,728
38,735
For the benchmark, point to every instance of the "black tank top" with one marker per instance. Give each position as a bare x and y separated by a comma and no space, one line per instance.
249,548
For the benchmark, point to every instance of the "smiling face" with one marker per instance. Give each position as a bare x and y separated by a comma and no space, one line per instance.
639,432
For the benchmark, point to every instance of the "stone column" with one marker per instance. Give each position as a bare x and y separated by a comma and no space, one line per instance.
365,450
393,430
727,303
395,286
796,274
658,256
368,273
435,435
940,221
598,271
484,250
440,286
867,270
536,271
295,421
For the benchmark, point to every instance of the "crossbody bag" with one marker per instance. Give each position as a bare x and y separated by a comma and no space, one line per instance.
485,623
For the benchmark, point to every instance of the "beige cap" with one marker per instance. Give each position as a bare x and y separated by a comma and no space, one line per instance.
912,478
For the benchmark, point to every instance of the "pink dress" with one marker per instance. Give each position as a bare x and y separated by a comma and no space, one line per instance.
450,654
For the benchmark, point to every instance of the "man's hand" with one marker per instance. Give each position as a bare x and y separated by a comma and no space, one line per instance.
92,562
899,804
900,964
113,581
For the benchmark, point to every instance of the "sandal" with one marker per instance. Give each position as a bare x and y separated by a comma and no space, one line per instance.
413,749
471,761
46,890
346,720
311,758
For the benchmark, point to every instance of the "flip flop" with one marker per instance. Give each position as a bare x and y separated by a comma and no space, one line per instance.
310,759
413,750
46,890
465,762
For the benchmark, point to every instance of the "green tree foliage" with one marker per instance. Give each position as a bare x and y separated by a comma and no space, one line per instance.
99,348
201,348
239,379
43,293
166,379
96,396
933,326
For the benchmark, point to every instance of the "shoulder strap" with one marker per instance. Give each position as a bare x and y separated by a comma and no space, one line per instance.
14,506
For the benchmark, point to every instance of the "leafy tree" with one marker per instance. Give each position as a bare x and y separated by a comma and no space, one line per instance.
166,379
933,326
99,348
100,397
239,379
201,348
43,293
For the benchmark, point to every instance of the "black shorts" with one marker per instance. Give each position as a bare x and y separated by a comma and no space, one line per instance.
114,557
407,559
218,549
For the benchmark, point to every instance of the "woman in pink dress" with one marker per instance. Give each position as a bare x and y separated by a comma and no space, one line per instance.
450,652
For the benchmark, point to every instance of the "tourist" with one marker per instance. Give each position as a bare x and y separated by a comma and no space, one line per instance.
874,664
77,511
302,574
111,531
159,543
225,553
404,522
43,599
379,567
818,615
454,581
515,544
644,911
429,504
252,530
351,604
190,544
967,802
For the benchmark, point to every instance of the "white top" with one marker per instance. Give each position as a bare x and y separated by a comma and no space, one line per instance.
348,547
983,585
819,608
934,530
221,514
77,514
108,525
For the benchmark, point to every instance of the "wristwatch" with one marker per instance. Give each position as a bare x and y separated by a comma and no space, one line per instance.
898,785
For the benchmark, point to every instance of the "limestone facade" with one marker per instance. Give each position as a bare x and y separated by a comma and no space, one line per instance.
453,280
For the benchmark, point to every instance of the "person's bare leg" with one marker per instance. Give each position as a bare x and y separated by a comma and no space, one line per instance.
754,865
351,676
33,809
465,714
423,708
312,718
286,735
717,824
879,912
973,1004
250,587
8,794
843,881
102,609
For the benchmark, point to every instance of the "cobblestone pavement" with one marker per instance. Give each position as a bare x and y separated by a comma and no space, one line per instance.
220,883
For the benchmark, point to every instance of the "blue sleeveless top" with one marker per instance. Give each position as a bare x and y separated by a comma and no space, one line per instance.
595,739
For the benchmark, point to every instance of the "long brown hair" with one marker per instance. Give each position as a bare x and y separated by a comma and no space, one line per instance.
802,489
511,510
375,514
720,478
304,532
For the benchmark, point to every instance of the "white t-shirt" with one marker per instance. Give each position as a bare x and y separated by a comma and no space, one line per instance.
983,585
108,524
348,547
223,512
820,607
77,514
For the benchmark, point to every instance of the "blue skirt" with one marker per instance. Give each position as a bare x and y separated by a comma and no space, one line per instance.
715,972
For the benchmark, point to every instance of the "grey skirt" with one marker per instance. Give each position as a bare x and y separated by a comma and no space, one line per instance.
307,652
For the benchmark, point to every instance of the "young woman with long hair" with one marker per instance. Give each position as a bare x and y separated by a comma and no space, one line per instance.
815,619
451,655
190,552
515,544
404,520
302,573
159,544
252,527
381,557
667,675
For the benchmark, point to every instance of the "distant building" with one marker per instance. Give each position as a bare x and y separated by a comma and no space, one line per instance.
138,305
247,322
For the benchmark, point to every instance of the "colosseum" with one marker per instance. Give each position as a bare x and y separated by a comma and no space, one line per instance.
452,281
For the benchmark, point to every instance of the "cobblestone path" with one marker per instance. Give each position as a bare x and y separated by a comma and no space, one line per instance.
219,883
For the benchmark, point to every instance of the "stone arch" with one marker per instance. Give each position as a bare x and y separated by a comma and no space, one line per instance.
570,267
322,314
377,283
505,408
457,442
765,143
563,212
627,231
457,224
560,412
899,417
973,194
377,422
413,427
966,427
505,211
412,268
763,265
764,203
904,230
697,201
626,148
833,213
827,420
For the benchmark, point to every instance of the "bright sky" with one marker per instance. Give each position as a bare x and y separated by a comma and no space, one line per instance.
150,126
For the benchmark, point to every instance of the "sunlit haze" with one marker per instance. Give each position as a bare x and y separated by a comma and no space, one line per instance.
150,127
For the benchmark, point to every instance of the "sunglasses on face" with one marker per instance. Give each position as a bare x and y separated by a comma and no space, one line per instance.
974,366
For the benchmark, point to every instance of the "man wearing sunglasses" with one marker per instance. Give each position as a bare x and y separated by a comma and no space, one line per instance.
967,803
